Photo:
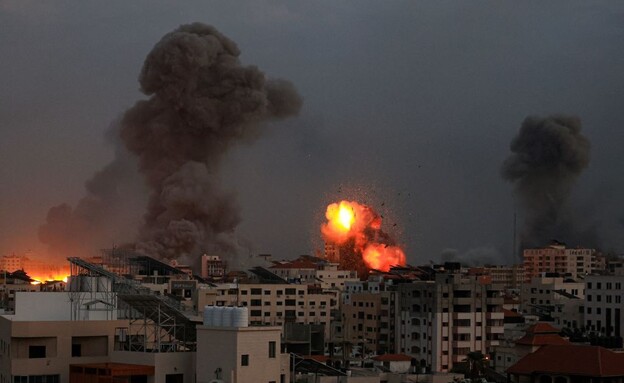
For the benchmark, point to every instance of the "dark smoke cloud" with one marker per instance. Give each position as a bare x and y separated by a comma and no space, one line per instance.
479,256
202,102
106,215
548,155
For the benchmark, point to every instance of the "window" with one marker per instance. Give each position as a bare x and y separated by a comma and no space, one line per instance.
36,352
256,302
76,350
256,291
245,360
255,313
272,349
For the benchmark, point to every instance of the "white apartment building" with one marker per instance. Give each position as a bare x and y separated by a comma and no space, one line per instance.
306,271
442,321
558,297
274,304
603,304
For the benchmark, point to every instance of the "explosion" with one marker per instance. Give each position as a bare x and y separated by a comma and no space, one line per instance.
355,229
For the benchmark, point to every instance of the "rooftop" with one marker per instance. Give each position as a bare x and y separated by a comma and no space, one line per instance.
571,359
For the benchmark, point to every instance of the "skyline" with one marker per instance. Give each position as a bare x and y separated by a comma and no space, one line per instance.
417,99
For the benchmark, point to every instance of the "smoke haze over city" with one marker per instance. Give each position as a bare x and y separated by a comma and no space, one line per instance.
409,108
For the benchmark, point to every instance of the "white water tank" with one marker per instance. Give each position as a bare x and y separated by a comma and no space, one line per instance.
240,317
227,316
209,314
217,319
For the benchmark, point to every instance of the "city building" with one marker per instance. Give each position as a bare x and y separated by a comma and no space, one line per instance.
244,353
368,322
509,277
274,304
536,336
443,320
568,364
603,304
556,258
555,297
212,267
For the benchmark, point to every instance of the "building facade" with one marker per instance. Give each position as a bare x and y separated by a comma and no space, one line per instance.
441,321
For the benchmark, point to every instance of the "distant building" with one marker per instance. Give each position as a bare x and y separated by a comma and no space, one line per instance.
509,277
273,304
212,267
556,258
555,297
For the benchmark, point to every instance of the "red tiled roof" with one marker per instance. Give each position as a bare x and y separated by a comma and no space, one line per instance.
541,334
542,328
593,361
393,358
542,340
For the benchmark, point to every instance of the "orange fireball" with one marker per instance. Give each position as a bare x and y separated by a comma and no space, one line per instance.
358,227
382,257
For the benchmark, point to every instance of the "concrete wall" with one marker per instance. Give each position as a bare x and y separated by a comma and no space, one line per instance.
58,337
223,347
164,363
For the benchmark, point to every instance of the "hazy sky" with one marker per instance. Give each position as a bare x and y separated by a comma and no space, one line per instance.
410,104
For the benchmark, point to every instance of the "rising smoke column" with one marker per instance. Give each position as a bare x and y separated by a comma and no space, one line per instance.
355,230
548,155
202,101
106,215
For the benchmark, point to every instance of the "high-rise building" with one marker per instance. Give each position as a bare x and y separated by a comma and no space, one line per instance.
443,320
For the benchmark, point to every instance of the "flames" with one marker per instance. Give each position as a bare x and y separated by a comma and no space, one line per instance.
356,229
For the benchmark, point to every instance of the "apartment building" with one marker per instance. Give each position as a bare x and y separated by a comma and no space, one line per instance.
274,304
556,258
556,297
212,267
443,320
311,270
369,321
508,277
603,304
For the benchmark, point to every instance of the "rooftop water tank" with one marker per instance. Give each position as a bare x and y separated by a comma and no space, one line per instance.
209,314
240,317
227,316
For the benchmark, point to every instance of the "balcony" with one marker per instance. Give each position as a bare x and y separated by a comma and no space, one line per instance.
462,344
462,329
463,315
463,301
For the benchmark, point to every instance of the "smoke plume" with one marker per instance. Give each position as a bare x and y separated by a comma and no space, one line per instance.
548,155
202,101
106,215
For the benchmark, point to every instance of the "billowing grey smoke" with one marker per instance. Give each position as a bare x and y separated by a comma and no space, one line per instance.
105,216
548,155
202,101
